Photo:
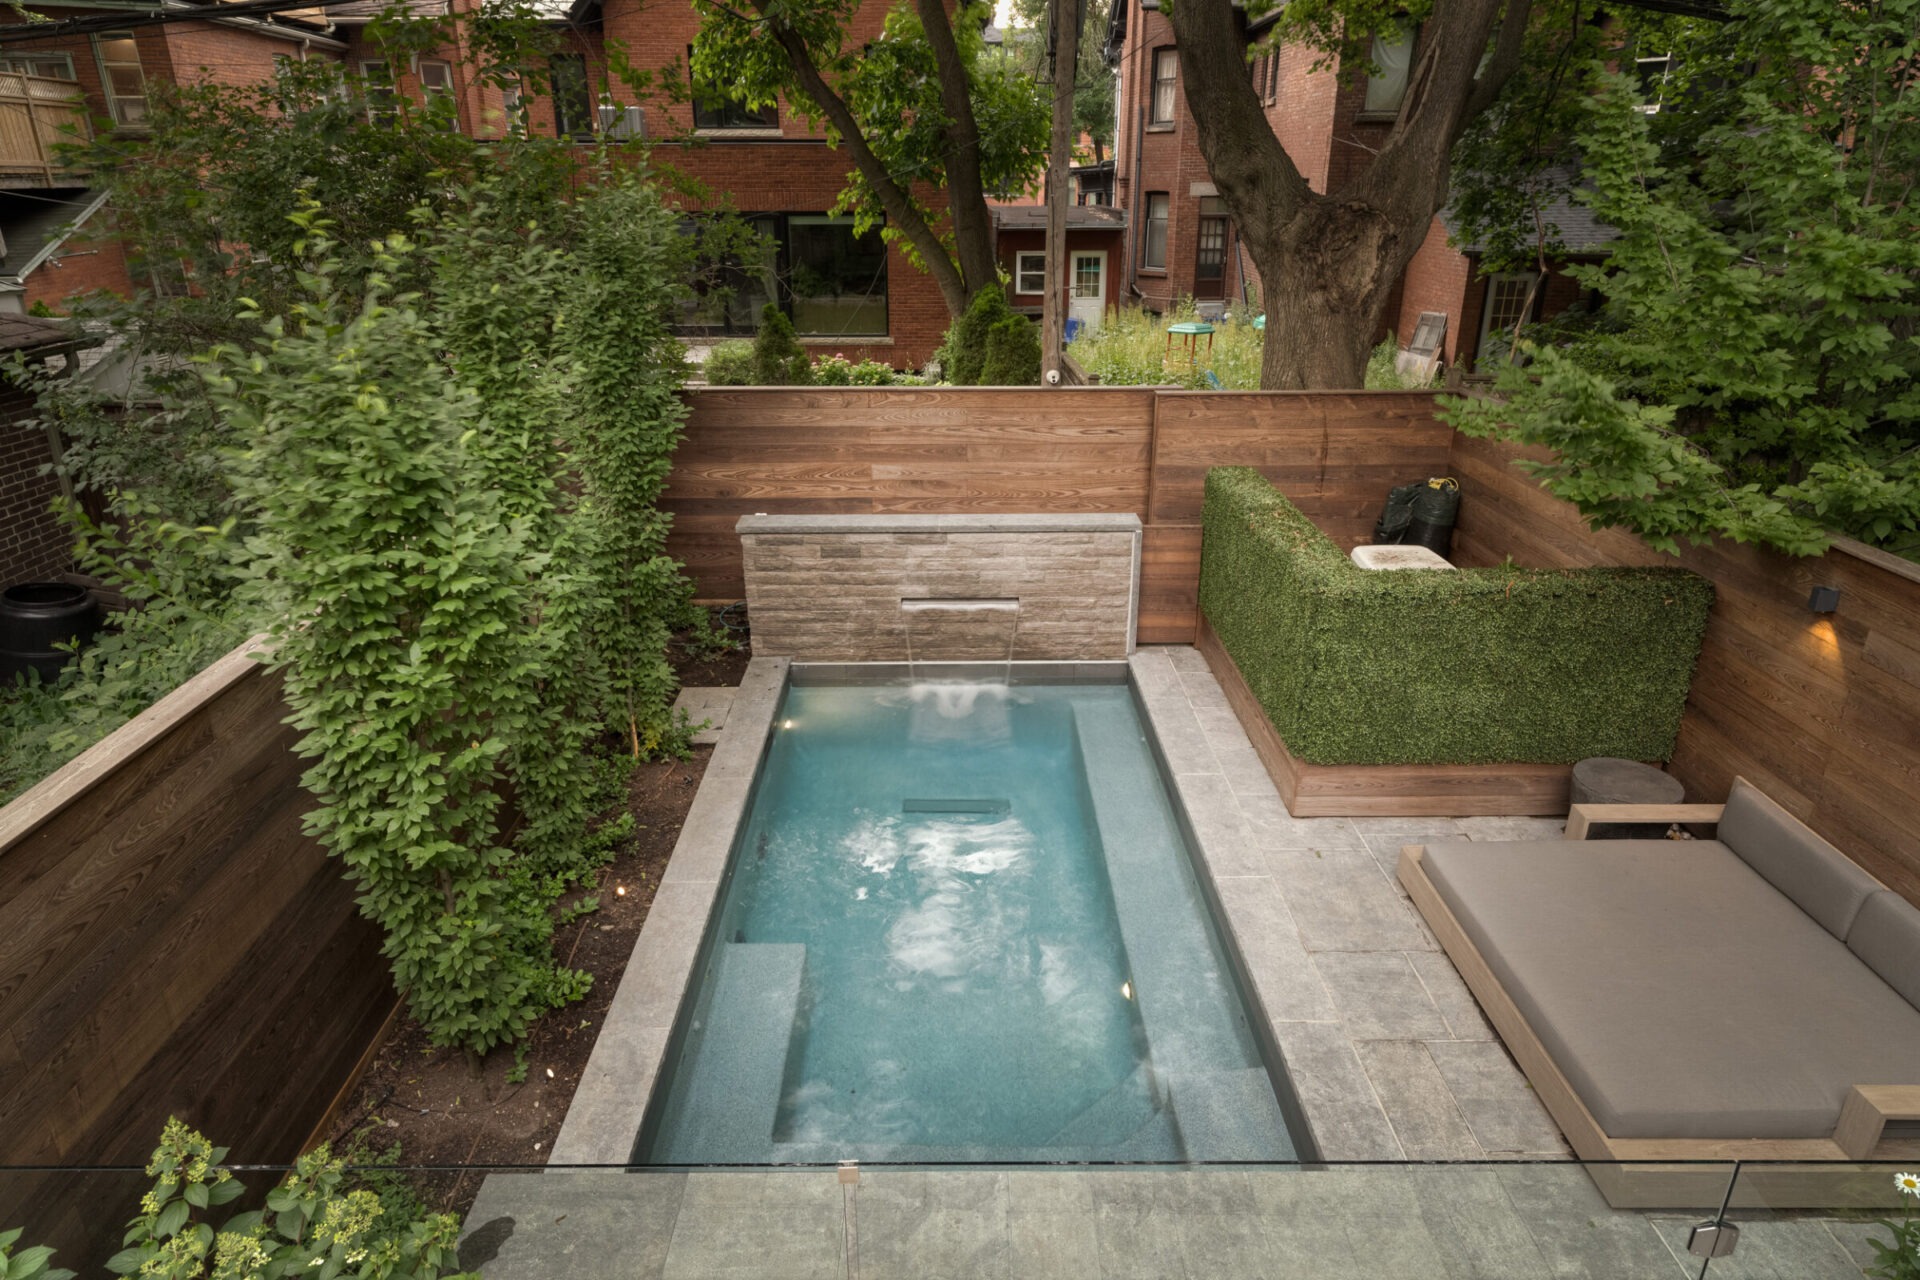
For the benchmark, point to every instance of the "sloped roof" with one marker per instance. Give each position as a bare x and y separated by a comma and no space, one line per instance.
1080,217
33,223
30,333
1579,230
358,11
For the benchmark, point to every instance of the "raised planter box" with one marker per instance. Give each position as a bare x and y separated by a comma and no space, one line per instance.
1384,790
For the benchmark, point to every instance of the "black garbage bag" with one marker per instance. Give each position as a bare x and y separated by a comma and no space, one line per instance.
1392,525
1432,515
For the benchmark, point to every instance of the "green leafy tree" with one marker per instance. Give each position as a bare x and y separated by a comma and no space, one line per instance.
918,107
1330,260
1095,88
1754,373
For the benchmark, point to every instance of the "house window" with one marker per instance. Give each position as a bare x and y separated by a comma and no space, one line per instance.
1153,245
1029,273
1166,70
1392,60
831,282
123,78
48,66
836,280
713,109
1507,304
436,83
382,102
572,103
1652,74
1273,75
1210,249
513,107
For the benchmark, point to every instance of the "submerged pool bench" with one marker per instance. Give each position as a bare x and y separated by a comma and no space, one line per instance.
1748,997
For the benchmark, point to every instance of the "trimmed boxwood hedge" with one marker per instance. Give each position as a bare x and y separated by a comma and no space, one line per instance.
1478,666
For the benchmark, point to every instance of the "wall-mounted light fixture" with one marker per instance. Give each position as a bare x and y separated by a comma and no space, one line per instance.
1824,599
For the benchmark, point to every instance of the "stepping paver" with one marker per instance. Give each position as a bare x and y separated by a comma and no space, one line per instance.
706,704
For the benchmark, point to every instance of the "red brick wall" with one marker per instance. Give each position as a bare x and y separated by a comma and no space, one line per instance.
1012,243
1437,280
33,544
82,264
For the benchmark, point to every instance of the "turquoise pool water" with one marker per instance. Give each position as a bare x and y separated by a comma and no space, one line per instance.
961,925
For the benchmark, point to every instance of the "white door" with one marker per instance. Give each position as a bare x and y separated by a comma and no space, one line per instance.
1087,299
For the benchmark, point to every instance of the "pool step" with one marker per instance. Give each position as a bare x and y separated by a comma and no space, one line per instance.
1228,1115
1108,1128
736,1070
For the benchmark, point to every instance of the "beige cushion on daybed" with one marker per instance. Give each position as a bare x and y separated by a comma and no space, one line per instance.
1681,994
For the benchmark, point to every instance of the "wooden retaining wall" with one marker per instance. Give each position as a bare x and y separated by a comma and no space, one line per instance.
839,451
171,944
1821,712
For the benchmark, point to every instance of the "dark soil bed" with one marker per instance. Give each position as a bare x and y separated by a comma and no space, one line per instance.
430,1103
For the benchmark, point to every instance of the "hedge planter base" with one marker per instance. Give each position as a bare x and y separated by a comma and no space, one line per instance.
1385,790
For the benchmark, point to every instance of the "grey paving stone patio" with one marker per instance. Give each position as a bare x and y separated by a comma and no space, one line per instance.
1388,1051
1386,1048
1470,1222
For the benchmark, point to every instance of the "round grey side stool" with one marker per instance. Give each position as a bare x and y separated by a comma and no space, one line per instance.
1611,780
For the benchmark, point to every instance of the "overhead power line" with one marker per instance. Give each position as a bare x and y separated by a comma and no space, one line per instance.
21,32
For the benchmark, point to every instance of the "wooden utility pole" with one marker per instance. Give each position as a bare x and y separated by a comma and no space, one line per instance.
1065,17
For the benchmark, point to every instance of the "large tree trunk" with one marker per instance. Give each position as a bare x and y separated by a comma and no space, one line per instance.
1328,262
966,194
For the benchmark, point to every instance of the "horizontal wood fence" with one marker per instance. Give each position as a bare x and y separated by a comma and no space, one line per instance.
788,451
171,944
1821,712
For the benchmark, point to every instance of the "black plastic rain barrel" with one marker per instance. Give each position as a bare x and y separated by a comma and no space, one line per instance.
36,618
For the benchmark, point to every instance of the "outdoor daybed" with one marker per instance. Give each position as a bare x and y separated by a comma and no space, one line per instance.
1749,997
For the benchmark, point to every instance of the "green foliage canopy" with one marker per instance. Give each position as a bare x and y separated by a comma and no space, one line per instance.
1755,370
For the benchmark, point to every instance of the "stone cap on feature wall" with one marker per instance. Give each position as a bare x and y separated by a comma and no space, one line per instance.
1093,522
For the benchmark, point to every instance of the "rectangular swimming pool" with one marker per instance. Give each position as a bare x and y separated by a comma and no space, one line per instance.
961,924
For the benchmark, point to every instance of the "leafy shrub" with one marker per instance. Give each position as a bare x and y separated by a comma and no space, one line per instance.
729,364
1474,666
1013,354
872,373
319,1221
963,356
778,358
833,371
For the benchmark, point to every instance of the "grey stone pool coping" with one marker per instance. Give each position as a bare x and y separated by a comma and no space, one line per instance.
604,1118
1387,1052
1093,522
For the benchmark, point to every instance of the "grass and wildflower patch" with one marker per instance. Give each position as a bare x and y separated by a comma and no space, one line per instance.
1132,349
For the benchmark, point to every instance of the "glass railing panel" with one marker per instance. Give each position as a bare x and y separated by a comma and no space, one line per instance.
1821,1219
1485,1220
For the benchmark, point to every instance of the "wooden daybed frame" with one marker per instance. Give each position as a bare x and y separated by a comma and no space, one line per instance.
1629,1175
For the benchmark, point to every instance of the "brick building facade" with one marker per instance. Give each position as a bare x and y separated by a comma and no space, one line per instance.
846,293
1182,244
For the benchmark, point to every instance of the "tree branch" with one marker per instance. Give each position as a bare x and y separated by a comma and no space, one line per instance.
901,210
1242,153
966,194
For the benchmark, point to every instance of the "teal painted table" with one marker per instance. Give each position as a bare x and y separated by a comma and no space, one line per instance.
1190,331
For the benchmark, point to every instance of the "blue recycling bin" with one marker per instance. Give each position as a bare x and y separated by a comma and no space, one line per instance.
1073,329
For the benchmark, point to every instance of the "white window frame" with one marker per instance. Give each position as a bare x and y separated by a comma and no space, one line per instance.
1029,264
1651,107
376,112
114,100
427,91
1525,278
